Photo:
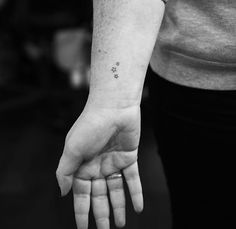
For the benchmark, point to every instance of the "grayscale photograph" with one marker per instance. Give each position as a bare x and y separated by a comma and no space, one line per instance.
117,114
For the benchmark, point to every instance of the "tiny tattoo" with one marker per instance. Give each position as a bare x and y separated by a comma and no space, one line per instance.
114,70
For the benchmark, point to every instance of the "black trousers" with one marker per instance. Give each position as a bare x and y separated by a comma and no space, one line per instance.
196,136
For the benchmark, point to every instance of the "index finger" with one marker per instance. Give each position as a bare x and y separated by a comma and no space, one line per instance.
131,174
81,191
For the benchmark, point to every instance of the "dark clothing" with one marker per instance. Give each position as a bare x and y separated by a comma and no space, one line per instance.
196,137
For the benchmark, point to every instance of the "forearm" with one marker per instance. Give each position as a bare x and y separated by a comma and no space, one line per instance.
124,35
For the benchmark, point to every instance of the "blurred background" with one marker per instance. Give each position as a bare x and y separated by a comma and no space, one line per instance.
44,77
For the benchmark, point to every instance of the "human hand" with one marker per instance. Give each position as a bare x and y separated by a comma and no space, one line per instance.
102,142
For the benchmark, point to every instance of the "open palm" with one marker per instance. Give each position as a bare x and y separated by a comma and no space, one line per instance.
102,142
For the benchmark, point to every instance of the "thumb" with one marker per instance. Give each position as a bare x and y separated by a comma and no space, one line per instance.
68,165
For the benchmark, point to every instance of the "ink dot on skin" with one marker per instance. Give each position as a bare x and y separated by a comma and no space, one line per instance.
117,63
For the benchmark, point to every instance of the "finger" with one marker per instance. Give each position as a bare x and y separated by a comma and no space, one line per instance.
134,184
69,163
117,197
81,191
100,203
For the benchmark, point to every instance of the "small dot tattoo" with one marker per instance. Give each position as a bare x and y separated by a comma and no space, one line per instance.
117,63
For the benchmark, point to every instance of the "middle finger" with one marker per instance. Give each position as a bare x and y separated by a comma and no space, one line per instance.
100,203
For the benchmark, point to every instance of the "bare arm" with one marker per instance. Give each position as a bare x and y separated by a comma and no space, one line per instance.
104,139
124,35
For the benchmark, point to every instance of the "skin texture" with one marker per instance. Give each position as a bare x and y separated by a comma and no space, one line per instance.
105,138
111,148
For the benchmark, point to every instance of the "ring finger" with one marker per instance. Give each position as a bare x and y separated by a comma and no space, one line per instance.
117,197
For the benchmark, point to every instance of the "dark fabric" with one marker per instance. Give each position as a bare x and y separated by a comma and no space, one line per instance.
196,137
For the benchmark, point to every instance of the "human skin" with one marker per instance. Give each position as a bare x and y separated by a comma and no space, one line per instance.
105,138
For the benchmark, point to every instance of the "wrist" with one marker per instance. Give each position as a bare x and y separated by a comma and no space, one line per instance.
114,114
113,101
